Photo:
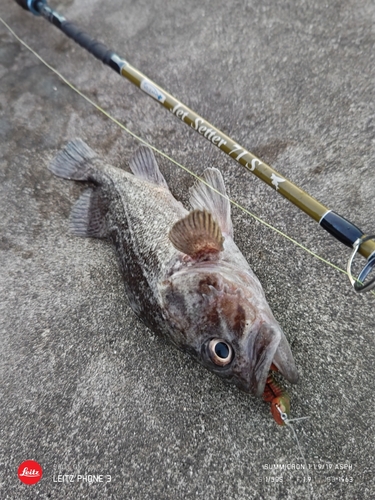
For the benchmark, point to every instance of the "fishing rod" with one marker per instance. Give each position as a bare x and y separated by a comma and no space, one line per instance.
339,227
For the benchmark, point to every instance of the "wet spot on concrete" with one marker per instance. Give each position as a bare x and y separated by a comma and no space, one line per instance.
270,152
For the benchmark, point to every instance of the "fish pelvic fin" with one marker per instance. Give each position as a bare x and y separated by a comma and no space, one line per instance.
215,200
144,166
197,235
88,215
74,161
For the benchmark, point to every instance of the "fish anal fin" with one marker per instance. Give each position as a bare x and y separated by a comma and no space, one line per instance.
197,235
88,215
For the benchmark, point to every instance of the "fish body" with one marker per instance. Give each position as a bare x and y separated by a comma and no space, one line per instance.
184,276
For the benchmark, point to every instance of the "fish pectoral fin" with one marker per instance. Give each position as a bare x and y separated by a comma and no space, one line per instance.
144,166
215,201
73,162
262,351
197,235
88,215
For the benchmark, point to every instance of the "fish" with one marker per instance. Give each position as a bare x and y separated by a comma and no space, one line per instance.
184,276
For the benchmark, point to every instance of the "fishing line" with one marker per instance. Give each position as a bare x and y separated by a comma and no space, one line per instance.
121,125
288,423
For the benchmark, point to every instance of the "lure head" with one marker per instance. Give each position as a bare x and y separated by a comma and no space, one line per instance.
278,397
280,408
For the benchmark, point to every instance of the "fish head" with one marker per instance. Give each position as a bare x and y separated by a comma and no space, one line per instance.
220,316
216,310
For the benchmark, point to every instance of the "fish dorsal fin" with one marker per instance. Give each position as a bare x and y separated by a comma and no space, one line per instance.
197,235
202,197
144,166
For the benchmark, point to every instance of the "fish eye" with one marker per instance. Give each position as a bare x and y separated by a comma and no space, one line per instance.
220,351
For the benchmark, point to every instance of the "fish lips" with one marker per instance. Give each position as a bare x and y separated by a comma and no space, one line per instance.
261,350
269,346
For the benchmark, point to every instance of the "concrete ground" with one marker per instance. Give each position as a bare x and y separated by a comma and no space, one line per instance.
86,389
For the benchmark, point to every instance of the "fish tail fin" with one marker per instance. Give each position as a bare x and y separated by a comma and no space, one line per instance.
88,215
144,166
74,161
215,201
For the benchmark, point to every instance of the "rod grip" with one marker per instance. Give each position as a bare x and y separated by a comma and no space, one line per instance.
96,48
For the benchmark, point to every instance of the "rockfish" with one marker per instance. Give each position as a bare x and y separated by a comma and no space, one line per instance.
184,276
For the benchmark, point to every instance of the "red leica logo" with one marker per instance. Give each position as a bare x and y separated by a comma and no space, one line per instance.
30,472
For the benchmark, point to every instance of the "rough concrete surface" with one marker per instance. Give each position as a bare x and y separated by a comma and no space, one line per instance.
86,389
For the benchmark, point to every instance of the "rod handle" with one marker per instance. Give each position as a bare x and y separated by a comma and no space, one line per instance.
96,48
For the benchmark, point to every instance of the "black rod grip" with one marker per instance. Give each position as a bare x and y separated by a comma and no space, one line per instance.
342,229
96,48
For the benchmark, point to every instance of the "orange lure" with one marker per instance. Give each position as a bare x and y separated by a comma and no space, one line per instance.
277,396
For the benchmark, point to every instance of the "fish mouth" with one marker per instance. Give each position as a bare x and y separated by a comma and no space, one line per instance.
270,351
262,348
284,361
